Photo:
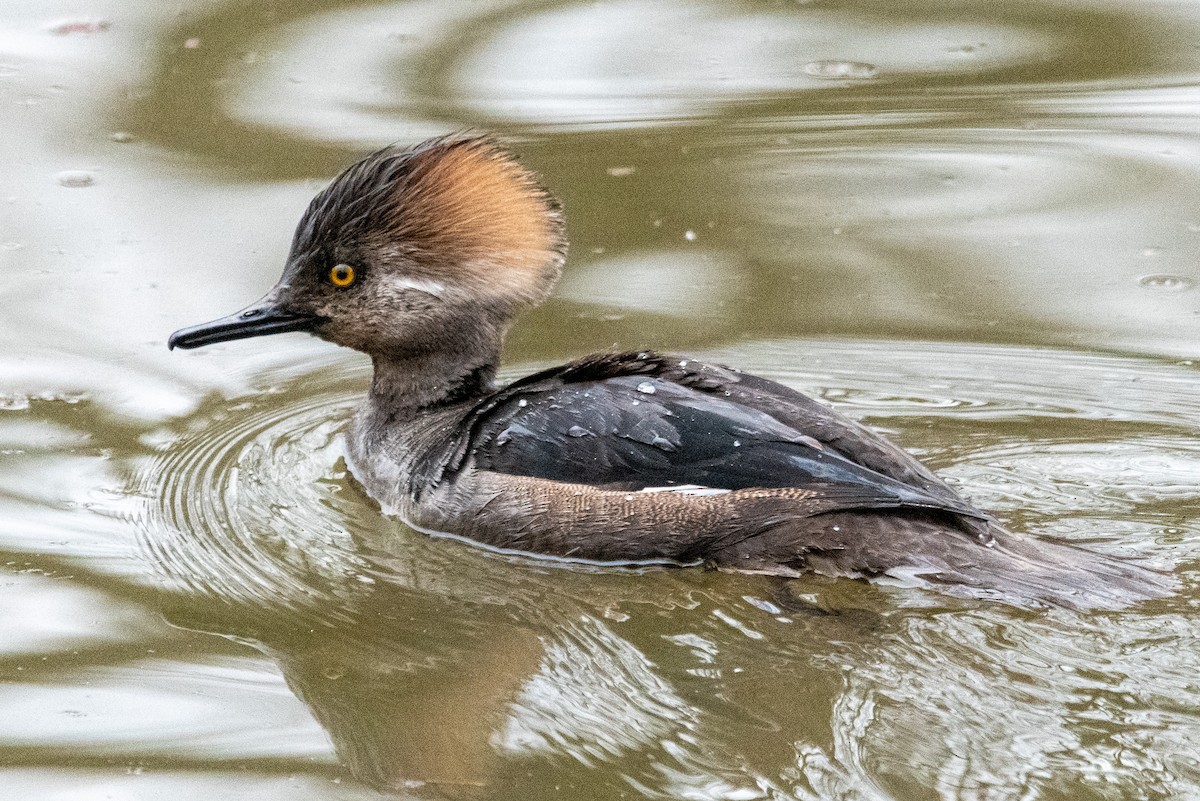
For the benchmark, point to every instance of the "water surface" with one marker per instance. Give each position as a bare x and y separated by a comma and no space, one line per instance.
973,227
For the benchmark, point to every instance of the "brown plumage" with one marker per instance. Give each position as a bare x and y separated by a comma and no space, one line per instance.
467,213
422,257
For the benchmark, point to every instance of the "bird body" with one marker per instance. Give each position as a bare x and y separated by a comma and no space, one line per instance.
422,257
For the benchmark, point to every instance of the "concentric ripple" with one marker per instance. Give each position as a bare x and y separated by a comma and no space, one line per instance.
255,479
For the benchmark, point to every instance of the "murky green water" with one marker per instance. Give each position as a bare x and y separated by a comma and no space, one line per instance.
974,225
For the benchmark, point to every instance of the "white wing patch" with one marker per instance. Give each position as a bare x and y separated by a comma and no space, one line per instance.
688,489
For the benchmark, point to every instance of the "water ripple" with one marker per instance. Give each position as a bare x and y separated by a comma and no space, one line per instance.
662,679
422,66
251,508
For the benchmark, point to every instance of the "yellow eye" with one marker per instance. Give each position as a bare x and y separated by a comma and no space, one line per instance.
341,275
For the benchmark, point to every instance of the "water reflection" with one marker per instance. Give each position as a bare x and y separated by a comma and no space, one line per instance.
526,64
437,667
422,658
734,174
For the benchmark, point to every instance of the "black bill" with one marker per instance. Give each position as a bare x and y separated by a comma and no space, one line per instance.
253,322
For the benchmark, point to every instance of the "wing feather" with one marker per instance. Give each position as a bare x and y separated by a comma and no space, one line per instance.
639,421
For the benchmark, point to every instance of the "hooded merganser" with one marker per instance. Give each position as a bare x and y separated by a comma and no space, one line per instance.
421,258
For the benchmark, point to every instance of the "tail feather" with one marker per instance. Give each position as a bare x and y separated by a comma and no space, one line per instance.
961,557
1023,571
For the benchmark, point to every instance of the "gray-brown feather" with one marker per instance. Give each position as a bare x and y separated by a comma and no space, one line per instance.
890,517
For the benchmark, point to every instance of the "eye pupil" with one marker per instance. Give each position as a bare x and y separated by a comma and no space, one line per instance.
342,275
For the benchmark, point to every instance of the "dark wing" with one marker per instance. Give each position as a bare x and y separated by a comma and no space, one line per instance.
640,422
834,430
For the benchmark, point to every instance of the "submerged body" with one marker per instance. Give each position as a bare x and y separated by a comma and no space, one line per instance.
422,257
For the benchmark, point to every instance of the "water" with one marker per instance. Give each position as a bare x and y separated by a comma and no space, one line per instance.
975,230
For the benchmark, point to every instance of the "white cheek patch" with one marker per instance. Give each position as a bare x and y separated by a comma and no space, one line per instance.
400,283
688,489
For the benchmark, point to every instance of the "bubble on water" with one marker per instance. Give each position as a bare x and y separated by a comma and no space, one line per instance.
620,172
689,236
19,402
1165,282
836,70
192,43
75,179
14,403
69,26
646,388
121,136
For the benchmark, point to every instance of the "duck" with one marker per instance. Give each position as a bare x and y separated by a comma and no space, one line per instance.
422,257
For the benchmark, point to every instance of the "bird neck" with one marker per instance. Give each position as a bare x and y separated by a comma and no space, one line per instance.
405,387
